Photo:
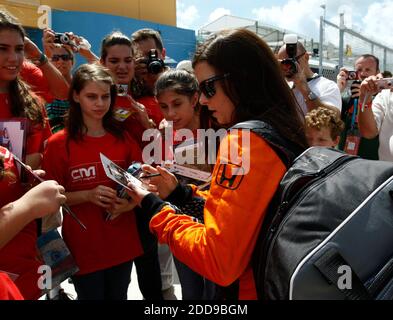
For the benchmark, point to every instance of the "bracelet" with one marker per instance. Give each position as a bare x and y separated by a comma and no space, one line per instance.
43,59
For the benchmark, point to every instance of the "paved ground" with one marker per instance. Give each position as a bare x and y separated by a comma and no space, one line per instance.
133,290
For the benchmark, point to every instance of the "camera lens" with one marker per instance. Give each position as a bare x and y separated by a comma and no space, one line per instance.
155,67
288,67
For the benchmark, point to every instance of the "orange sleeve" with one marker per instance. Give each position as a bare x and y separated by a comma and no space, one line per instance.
221,248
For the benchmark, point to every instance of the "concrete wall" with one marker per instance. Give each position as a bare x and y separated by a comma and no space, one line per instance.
180,43
159,11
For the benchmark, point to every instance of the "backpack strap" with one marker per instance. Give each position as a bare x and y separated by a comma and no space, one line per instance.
286,150
328,265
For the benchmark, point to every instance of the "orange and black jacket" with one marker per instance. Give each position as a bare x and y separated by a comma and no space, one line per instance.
220,249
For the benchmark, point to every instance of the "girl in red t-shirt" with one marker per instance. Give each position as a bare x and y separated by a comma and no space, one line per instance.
105,250
177,93
16,101
117,55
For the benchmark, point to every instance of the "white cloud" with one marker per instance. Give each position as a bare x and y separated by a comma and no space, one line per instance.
302,17
217,13
186,16
377,22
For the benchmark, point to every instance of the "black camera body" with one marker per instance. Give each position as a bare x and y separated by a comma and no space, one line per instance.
154,64
62,38
352,75
289,65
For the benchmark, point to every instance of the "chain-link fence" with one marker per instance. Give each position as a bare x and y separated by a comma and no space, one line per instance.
342,46
326,59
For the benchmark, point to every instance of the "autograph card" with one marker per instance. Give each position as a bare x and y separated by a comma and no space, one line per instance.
118,174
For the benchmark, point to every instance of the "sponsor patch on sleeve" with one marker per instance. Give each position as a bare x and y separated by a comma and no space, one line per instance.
230,176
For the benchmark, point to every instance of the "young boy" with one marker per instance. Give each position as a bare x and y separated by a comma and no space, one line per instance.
323,127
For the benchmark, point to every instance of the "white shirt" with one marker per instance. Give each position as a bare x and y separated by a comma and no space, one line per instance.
382,107
326,90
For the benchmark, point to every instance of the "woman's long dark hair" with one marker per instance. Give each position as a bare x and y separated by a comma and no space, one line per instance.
255,84
23,102
74,123
115,38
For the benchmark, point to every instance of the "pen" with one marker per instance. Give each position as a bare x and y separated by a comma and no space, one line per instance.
65,207
150,176
155,175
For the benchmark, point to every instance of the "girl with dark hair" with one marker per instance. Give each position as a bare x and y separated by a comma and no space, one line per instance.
16,100
104,252
19,256
239,79
117,54
177,94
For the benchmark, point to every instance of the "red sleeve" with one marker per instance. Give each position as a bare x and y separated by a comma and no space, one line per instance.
55,156
8,290
34,77
153,108
37,136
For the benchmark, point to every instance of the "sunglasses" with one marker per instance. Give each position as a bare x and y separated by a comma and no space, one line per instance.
64,57
207,86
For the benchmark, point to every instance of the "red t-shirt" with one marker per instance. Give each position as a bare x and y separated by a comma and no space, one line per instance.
105,243
36,134
8,290
131,125
34,77
19,256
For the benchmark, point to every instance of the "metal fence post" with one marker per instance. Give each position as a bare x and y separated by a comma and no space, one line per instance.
321,26
341,43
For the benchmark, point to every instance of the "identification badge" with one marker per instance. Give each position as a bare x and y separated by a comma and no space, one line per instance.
352,145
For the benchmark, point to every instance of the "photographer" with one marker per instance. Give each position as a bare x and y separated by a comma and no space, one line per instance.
376,117
60,49
310,89
149,64
349,84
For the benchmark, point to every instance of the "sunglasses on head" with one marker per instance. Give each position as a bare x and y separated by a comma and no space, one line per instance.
64,57
207,86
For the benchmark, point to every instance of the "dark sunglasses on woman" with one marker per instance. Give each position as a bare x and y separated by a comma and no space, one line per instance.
207,86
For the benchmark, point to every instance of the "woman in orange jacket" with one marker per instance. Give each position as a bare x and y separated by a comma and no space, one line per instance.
239,80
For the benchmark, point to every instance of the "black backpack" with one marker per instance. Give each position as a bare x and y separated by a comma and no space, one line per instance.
320,220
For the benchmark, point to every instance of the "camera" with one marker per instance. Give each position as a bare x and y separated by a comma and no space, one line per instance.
385,83
154,64
122,89
62,38
352,75
288,65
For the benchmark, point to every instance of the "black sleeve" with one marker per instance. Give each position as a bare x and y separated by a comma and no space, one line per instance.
180,196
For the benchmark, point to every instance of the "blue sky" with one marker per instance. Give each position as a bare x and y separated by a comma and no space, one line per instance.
371,18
